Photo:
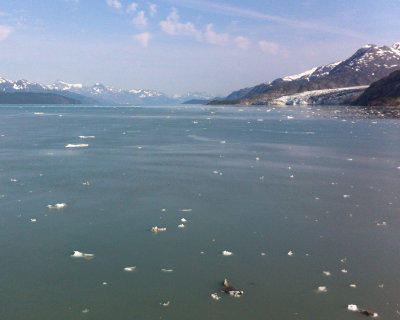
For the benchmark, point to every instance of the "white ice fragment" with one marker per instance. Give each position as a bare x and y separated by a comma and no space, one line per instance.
130,269
257,159
181,225
33,220
167,270
236,293
163,210
343,271
85,310
86,137
349,159
157,229
226,253
183,220
346,196
263,253
79,145
215,296
352,285
165,304
383,224
78,254
292,176
104,283
86,183
185,210
322,289
290,253
13,180
57,206
326,273
290,117
38,113
222,142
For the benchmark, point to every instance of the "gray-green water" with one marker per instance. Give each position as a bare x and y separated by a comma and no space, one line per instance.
315,182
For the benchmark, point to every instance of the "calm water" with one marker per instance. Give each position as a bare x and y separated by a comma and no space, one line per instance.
322,184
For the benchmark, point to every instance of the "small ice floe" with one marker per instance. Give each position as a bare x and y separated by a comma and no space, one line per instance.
365,312
380,285
349,159
163,210
38,113
181,225
85,310
33,220
260,120
195,122
86,183
290,117
343,271
263,254
13,180
183,220
78,254
86,137
381,224
227,288
322,289
104,283
167,270
185,210
157,229
130,269
165,304
227,253
343,260
140,148
57,206
352,285
290,253
215,296
292,176
79,145
398,168
346,196
326,273
257,158
261,178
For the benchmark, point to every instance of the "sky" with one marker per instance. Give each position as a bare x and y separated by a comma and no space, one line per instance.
177,46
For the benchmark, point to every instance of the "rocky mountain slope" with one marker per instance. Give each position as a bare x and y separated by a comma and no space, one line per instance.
384,92
368,64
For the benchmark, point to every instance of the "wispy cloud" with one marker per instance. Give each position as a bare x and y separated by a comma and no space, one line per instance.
114,3
229,10
5,31
211,36
140,20
268,47
153,9
242,42
143,38
173,26
132,7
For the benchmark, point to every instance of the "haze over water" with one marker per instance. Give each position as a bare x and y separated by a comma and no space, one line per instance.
258,182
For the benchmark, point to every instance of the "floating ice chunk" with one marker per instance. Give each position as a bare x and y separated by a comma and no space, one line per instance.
140,148
85,310
382,224
38,113
222,142
326,273
343,260
226,253
167,270
57,206
322,289
380,285
236,293
165,304
292,176
352,285
33,220
104,283
290,253
78,254
398,168
369,313
346,196
79,145
263,253
343,271
157,229
86,183
130,269
349,159
185,210
257,158
13,180
86,137
181,225
163,210
215,296
290,117
183,220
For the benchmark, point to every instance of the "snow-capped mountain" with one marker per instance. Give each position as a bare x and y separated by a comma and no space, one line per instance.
368,64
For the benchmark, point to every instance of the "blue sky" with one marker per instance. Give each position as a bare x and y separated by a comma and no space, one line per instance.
177,46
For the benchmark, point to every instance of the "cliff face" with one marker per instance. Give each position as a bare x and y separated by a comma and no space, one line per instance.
384,92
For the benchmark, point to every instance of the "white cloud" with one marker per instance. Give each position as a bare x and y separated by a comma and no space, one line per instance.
215,38
172,26
5,31
114,3
153,9
143,38
132,7
140,20
268,47
242,42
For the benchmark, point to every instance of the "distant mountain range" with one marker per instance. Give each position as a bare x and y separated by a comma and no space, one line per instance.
346,79
77,93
